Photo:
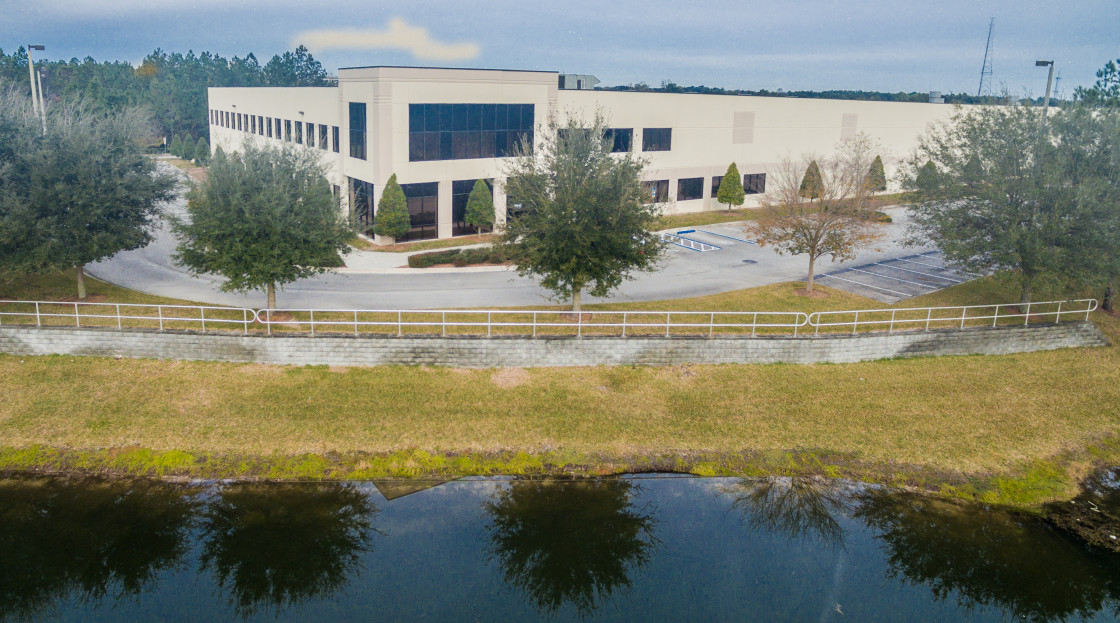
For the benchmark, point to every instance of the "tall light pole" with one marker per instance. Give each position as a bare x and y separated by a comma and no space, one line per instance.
36,86
1049,81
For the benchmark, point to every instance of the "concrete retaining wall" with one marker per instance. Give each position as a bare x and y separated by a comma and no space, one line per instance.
482,352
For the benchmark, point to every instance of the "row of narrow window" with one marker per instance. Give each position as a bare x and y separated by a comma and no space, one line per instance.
302,133
693,187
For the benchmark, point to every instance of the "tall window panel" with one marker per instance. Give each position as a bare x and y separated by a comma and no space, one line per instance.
657,191
310,134
362,202
322,136
690,188
268,125
622,139
287,130
754,183
299,132
278,132
423,209
467,131
657,139
460,193
335,139
358,130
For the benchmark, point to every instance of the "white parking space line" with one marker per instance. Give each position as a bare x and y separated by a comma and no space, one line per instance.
941,266
704,231
867,285
918,272
913,283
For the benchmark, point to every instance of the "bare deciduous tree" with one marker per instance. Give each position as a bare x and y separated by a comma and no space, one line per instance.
837,222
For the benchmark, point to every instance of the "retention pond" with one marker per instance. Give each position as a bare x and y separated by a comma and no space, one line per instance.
625,549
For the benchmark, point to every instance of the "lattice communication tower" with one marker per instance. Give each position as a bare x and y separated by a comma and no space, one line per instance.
986,69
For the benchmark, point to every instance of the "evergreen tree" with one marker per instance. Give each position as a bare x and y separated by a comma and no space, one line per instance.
176,148
480,206
926,178
202,151
392,219
877,176
811,184
262,218
731,188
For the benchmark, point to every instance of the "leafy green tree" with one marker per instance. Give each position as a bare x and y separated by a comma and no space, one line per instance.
392,220
877,176
810,187
1047,192
176,148
584,222
264,217
731,188
78,193
202,151
480,206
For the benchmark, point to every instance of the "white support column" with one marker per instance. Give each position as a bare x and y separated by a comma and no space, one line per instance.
499,202
443,215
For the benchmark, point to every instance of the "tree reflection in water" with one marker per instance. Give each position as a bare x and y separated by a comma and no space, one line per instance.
86,538
569,542
278,545
984,557
799,506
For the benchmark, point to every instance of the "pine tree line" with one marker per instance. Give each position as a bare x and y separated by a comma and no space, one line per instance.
171,85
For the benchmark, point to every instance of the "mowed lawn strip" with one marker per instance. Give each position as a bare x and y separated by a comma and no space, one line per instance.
964,414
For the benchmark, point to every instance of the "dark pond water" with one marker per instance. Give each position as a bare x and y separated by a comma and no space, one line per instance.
630,549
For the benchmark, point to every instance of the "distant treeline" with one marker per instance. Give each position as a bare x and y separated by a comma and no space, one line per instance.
171,85
874,96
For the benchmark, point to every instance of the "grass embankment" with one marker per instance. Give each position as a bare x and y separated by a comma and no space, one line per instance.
1017,429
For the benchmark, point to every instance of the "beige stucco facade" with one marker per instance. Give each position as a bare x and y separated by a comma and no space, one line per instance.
707,131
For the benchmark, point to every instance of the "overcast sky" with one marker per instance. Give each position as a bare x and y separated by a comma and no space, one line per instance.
807,44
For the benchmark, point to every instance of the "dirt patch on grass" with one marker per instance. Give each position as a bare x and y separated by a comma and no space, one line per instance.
508,378
815,294
339,369
259,369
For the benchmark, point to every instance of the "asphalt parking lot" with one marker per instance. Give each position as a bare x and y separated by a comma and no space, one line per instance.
893,280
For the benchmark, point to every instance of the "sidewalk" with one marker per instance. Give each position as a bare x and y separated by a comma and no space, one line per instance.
360,262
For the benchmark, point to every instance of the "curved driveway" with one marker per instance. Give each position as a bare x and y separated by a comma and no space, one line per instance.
376,281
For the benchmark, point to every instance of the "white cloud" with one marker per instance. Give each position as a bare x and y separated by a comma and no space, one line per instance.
399,35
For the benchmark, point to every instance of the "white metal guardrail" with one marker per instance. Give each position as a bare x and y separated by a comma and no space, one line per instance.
533,323
958,317
125,315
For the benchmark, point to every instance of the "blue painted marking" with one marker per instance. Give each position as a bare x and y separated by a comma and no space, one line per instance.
686,231
712,233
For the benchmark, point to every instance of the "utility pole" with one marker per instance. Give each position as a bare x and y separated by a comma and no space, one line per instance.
36,87
1049,83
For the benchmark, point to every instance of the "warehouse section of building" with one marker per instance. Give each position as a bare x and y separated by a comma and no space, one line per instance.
440,130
